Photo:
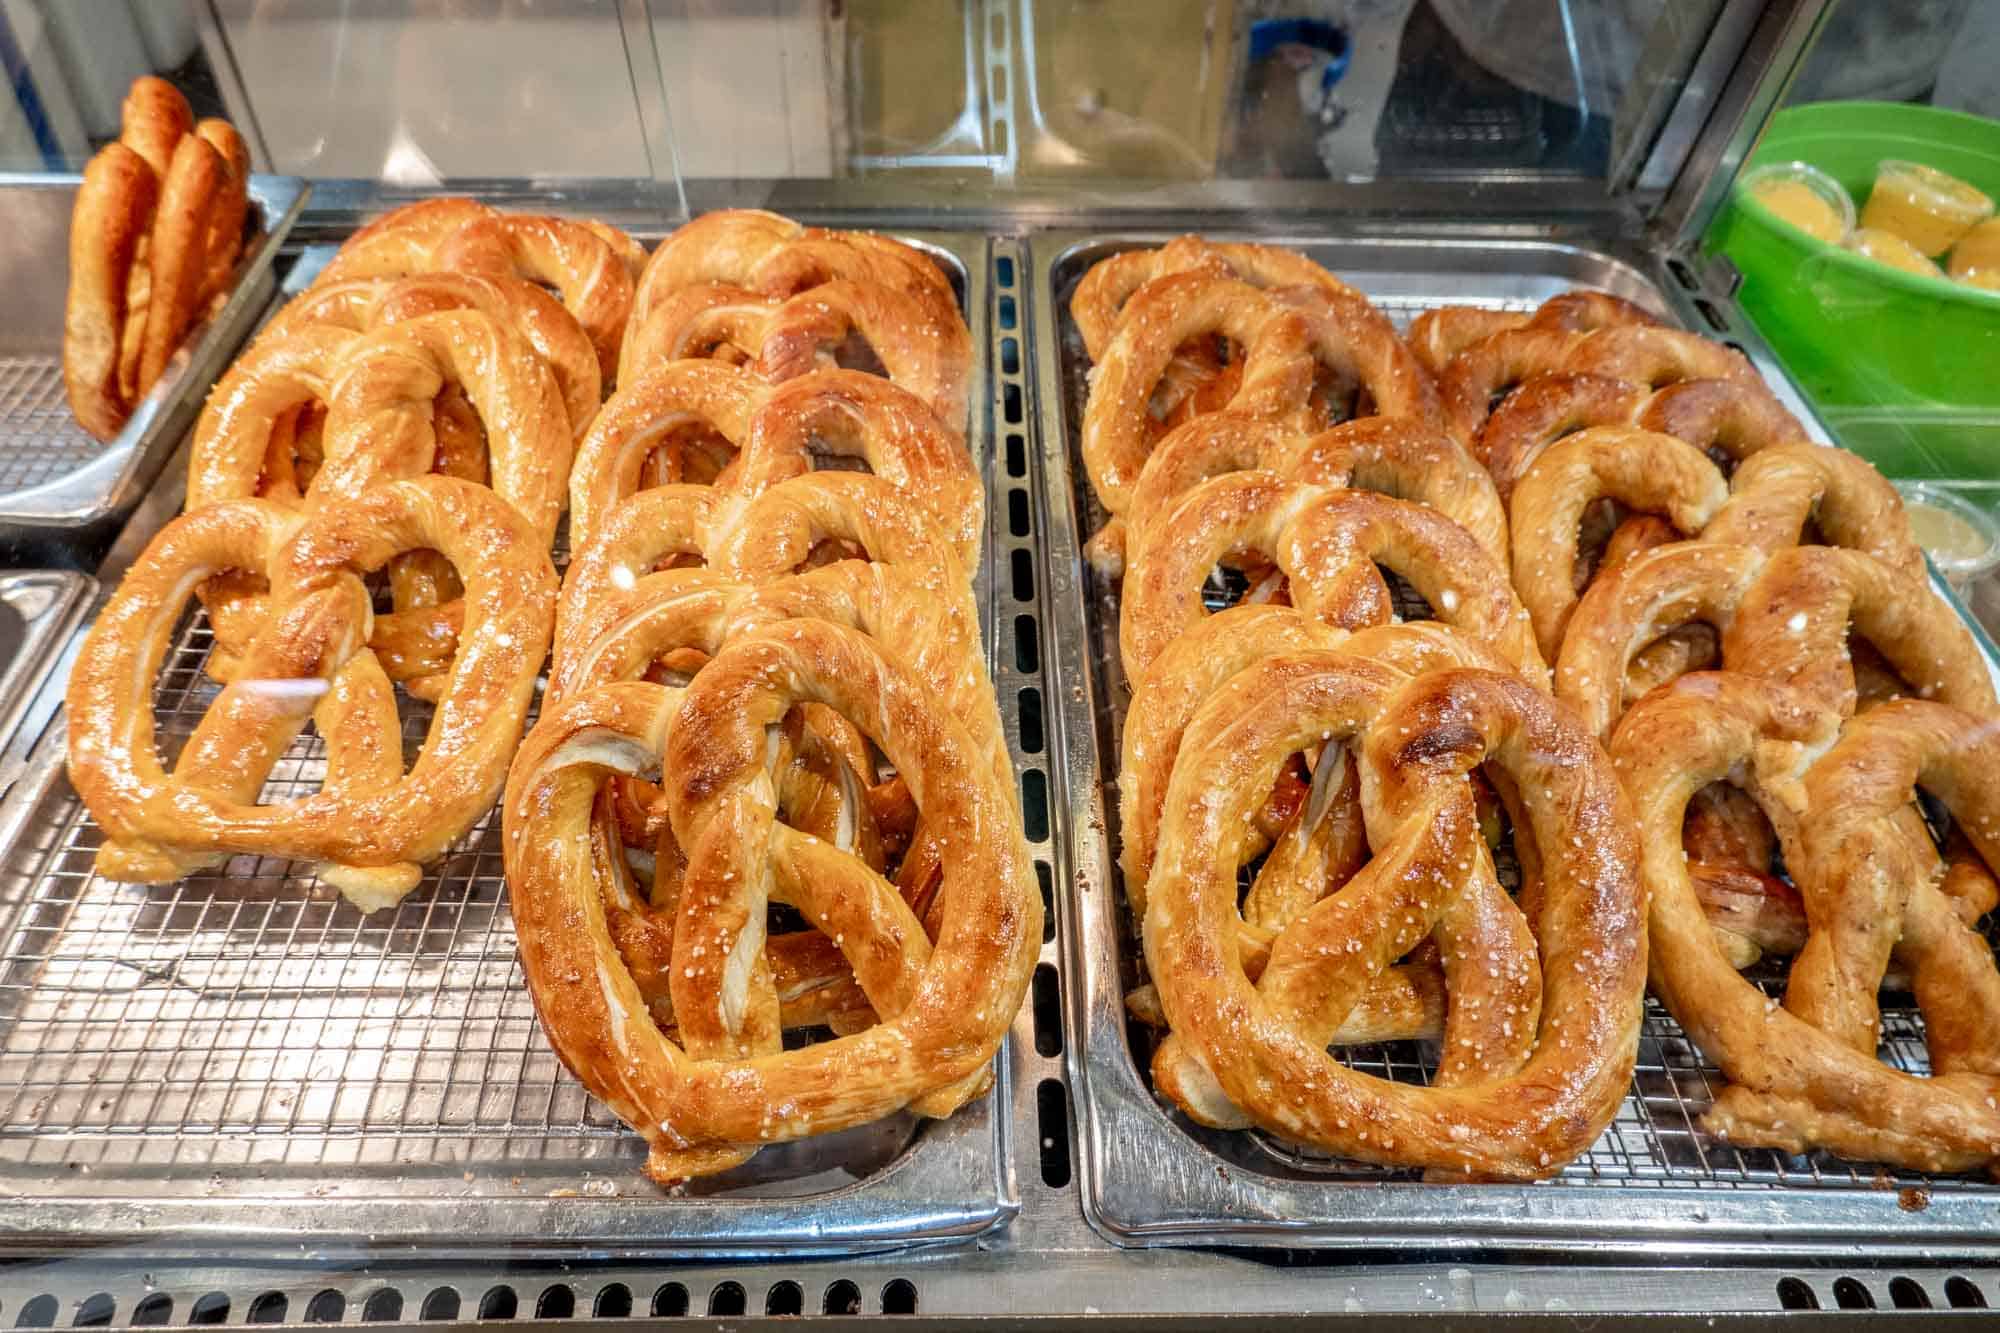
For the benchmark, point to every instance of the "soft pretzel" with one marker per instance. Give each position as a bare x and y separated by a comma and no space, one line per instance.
589,272
1541,1037
784,337
1395,456
1438,335
1326,543
706,1101
1099,300
1727,419
1783,616
371,825
775,256
1642,354
154,237
775,431
1804,1074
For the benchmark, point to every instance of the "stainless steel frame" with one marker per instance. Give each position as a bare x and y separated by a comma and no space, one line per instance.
1149,1177
241,1056
55,480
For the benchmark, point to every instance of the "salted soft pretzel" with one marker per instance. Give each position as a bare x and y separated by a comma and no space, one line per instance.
784,337
1438,335
754,541
1641,354
705,1101
1326,543
155,234
1804,1074
1784,616
590,273
371,825
1727,419
364,304
773,255
379,390
1542,1030
776,431
1392,455
1099,301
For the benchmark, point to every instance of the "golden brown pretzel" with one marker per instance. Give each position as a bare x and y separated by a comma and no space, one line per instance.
705,1102
1783,616
775,431
371,824
154,236
1804,1074
1440,334
1098,303
1639,353
784,337
776,256
1727,419
1326,542
1397,457
1541,1042
589,272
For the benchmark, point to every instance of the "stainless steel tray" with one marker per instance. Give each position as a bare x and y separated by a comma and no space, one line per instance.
1654,1182
53,475
243,1056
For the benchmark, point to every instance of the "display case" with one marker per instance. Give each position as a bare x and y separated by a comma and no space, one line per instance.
236,1098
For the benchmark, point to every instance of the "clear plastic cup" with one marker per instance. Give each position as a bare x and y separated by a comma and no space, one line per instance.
1802,195
1923,205
1962,539
1977,252
1885,247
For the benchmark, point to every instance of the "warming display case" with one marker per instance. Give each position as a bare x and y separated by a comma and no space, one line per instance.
234,1096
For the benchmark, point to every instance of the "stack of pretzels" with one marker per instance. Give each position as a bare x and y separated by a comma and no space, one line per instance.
1249,413
154,237
768,793
1738,614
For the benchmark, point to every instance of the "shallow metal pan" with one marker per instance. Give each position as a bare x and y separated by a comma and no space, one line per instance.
243,1060
1653,1182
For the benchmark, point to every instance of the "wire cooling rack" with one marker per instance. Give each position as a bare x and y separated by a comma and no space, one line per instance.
39,439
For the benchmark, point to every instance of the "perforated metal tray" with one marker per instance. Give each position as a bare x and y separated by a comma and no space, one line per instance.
1151,1177
54,476
242,1055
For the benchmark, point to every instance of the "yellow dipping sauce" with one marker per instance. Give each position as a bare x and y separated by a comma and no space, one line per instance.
1978,251
1987,279
1944,534
1799,204
1888,248
1923,205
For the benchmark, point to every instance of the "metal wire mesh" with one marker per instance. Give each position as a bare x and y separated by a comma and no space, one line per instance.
1655,1140
39,439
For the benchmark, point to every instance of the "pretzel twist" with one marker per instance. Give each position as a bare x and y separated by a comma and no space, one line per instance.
155,234
371,824
1804,1074
1326,543
705,1101
1541,1038
783,337
1440,334
588,264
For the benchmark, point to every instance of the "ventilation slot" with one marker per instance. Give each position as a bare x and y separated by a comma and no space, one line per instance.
95,1312
1046,879
785,1298
1852,1294
842,1297
383,1307
900,1297
153,1311
1961,1294
557,1302
1048,1012
441,1304
670,1301
499,1303
1052,1116
613,1302
269,1308
1035,804
37,1312
1032,738
326,1307
1908,1294
726,1299
1795,1294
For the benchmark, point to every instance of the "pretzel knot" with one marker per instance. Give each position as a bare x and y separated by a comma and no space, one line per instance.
370,824
1542,1026
1804,1074
588,264
704,1103
781,338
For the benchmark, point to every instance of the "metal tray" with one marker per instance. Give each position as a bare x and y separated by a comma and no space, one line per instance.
242,1056
54,476
1653,1182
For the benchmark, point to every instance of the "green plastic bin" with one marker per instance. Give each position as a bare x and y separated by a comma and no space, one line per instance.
1904,369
